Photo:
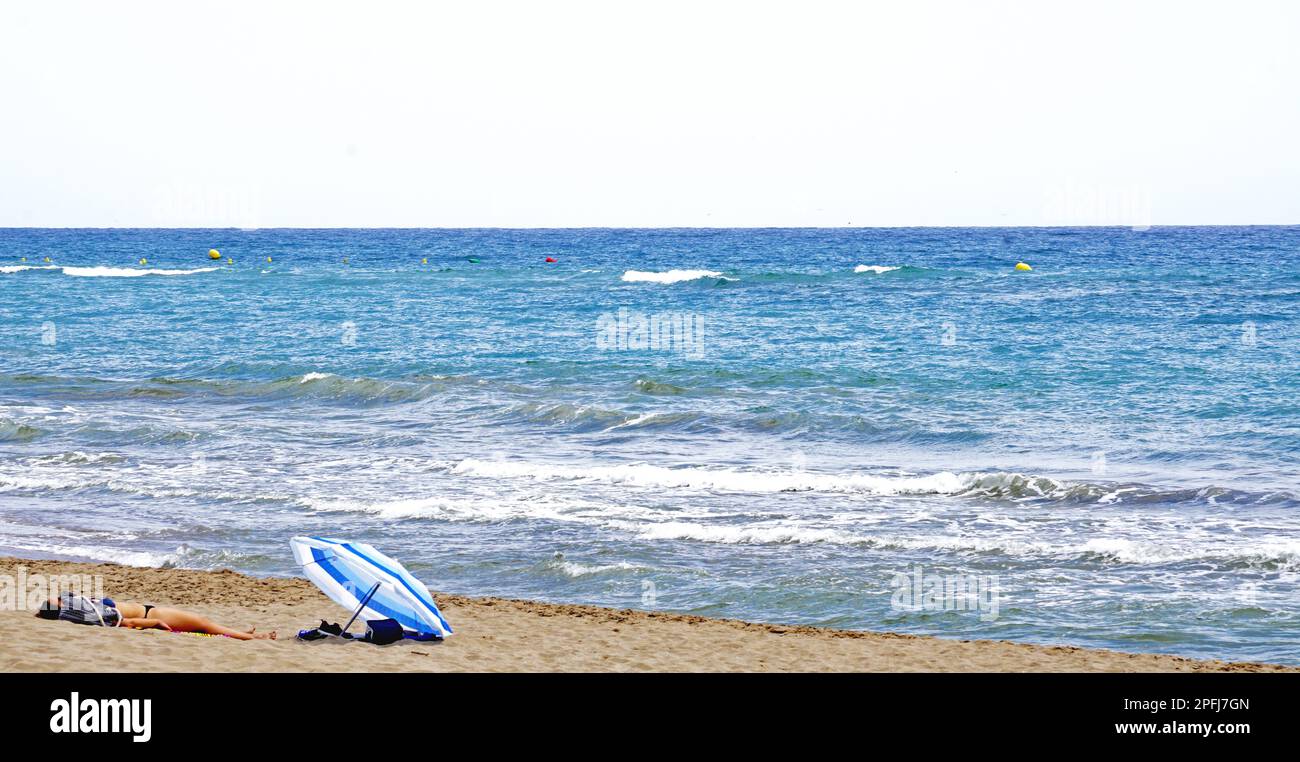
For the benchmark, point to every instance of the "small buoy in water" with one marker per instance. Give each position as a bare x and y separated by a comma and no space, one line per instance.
144,261
1021,266
550,259
24,259
424,261
345,260
47,259
229,261
214,254
268,259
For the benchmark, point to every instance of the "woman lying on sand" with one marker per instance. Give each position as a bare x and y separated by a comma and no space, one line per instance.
140,616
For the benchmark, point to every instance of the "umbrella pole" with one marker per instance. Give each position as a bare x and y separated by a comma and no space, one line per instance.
361,606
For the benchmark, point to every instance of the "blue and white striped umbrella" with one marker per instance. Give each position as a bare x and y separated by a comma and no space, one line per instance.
347,571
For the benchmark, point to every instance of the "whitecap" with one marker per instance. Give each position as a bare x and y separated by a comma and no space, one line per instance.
671,276
19,268
127,272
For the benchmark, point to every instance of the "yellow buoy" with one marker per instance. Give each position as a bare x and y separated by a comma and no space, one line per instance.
1021,266
214,254
144,261
268,259
47,259
24,259
424,261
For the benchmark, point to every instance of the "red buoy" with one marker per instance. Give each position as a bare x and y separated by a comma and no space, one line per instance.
550,259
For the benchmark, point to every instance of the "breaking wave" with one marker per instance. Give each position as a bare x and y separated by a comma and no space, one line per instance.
670,276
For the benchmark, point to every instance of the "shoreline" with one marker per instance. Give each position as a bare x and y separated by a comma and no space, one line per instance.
500,635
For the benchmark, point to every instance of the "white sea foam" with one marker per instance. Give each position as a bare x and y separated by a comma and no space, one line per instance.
128,272
441,508
798,533
496,507
307,377
1284,555
995,534
138,558
671,276
727,480
78,457
875,268
574,569
38,482
167,482
742,534
20,268
632,423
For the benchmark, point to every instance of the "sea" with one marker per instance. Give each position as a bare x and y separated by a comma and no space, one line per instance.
875,429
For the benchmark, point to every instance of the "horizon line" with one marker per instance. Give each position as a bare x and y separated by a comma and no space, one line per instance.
1131,228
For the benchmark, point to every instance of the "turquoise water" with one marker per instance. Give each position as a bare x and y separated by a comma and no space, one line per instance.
1112,438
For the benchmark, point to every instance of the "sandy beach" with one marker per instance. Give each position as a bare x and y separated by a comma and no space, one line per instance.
497,635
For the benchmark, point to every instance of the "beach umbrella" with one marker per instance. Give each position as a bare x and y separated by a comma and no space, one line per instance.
369,583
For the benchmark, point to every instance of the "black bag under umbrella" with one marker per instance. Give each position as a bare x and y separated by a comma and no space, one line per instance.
380,632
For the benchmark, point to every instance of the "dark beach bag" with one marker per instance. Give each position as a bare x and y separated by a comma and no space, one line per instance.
381,632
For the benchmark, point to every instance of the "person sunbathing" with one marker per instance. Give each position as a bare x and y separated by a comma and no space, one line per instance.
140,616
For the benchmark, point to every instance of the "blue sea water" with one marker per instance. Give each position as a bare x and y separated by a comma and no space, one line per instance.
1112,439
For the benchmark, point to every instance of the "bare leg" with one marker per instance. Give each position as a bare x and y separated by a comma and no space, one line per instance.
186,621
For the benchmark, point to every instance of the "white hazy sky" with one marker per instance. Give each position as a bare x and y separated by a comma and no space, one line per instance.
648,114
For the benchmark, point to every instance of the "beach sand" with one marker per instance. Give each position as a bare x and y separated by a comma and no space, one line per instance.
494,634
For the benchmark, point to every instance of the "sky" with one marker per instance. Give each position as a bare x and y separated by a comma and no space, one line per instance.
648,114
